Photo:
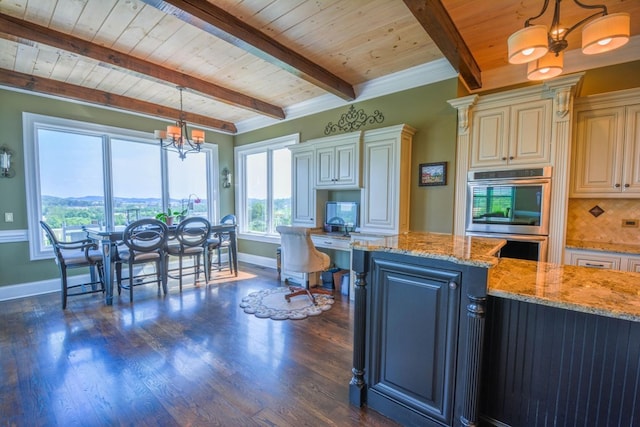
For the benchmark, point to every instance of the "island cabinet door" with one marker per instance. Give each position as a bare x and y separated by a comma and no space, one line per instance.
412,342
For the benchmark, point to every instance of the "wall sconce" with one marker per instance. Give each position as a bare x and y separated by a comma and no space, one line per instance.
226,178
6,171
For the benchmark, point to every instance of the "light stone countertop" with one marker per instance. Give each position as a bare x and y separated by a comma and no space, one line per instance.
469,250
624,248
608,293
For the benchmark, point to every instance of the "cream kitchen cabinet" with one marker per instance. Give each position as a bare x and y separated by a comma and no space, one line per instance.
387,180
606,151
602,259
337,164
307,203
512,135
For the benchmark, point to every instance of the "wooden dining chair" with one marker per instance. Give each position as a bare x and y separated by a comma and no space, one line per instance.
190,241
77,254
143,242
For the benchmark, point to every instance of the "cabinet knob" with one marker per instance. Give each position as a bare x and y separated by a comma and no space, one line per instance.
626,186
617,185
504,158
510,157
453,285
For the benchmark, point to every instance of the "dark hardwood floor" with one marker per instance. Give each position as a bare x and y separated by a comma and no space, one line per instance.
192,358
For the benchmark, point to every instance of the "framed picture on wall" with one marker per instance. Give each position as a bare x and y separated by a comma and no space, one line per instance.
432,174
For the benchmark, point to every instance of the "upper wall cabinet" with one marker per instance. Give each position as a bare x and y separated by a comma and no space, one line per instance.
338,161
387,180
512,135
307,203
606,148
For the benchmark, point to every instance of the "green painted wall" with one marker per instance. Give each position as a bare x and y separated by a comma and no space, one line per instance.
424,108
15,266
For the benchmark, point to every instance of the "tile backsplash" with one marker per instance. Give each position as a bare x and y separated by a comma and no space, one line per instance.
582,225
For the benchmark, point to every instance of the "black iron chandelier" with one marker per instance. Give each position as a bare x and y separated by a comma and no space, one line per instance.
176,138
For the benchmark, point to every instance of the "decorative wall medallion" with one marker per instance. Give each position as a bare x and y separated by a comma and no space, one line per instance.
596,211
353,120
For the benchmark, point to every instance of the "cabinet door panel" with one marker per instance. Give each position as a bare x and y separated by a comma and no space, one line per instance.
598,151
304,203
346,164
530,131
489,138
416,321
325,162
379,190
631,182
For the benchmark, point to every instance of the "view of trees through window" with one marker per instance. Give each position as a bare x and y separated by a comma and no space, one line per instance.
72,186
267,190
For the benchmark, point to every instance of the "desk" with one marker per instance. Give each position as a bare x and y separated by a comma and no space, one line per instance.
342,242
109,239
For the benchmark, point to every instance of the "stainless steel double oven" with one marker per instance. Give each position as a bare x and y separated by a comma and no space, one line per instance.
513,205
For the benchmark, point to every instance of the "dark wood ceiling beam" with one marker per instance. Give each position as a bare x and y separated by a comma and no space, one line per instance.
438,24
79,93
217,22
23,30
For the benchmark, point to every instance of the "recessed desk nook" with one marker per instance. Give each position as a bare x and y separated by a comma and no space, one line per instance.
349,186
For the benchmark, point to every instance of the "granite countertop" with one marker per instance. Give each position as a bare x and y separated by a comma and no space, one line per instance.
470,250
624,248
608,293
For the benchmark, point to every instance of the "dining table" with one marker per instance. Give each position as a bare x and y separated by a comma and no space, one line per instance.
110,238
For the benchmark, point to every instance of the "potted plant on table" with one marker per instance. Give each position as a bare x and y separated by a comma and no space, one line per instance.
168,216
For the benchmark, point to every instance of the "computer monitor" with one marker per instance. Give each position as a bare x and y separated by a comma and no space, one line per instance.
341,214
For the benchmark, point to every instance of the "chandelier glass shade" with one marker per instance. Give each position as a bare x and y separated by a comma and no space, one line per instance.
176,138
542,48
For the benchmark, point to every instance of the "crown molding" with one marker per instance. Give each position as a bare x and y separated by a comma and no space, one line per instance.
419,75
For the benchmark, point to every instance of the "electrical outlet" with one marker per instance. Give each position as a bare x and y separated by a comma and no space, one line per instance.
630,223
8,217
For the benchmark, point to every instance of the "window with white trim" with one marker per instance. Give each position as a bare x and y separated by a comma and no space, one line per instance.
82,174
263,196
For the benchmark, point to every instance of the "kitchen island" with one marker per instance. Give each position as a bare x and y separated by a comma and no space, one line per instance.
446,333
562,346
419,326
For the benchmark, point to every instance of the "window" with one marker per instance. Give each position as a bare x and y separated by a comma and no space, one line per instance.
81,174
264,187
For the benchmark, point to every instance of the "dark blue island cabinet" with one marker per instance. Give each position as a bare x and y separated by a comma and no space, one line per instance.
550,366
418,334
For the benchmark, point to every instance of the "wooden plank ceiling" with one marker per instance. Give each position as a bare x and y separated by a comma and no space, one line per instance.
243,59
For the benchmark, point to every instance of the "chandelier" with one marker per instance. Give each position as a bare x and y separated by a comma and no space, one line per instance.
542,49
176,138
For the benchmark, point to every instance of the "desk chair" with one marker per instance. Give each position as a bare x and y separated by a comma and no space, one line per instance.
190,238
77,254
144,242
300,255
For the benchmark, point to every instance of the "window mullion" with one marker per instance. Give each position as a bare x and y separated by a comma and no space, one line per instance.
270,227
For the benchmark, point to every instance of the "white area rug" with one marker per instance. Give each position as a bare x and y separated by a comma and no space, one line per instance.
270,303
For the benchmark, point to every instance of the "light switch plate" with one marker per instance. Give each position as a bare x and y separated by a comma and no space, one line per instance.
8,217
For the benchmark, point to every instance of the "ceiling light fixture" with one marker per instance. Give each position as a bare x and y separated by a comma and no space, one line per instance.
175,138
542,48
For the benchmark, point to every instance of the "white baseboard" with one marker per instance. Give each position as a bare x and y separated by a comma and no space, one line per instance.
23,290
257,260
